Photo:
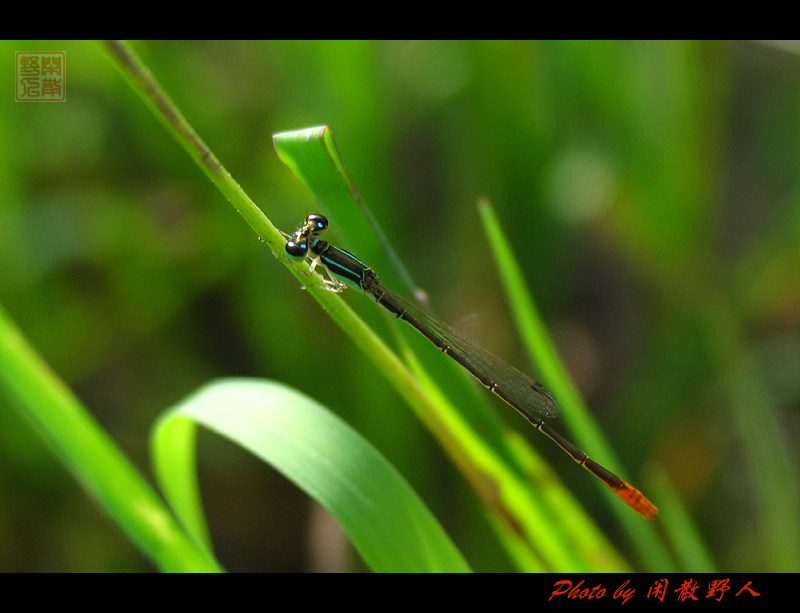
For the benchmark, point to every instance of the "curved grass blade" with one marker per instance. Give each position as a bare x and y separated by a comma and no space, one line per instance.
385,519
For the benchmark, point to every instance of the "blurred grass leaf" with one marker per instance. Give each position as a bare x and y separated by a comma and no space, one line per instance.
543,352
92,456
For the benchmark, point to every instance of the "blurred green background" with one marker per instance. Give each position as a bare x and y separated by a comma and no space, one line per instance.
649,188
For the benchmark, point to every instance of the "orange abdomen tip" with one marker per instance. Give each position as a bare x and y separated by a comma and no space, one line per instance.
636,500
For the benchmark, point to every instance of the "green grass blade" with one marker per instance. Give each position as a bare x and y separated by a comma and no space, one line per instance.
386,521
690,550
173,453
543,353
92,457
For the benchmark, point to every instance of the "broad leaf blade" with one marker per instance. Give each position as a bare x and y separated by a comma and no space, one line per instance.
386,521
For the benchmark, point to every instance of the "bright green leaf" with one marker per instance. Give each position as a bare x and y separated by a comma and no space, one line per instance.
386,521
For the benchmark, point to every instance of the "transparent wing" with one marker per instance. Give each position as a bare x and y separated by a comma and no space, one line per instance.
519,390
